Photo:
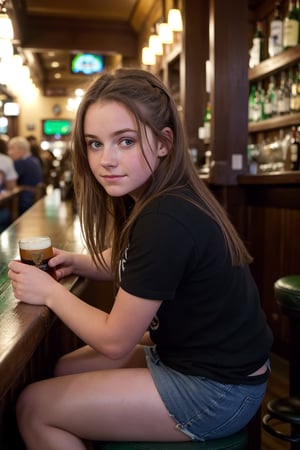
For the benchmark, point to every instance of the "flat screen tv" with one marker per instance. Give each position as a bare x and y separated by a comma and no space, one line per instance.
57,127
87,64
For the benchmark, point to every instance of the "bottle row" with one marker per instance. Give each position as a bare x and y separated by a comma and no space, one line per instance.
275,96
277,155
284,33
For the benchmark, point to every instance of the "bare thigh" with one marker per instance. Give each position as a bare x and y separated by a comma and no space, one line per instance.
119,404
86,359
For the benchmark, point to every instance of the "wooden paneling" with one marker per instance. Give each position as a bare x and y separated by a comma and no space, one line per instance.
267,216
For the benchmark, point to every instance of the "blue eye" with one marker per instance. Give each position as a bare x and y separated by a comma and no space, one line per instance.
95,145
127,142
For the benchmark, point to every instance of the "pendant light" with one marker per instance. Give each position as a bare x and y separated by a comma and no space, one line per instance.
175,18
6,29
155,44
164,31
148,57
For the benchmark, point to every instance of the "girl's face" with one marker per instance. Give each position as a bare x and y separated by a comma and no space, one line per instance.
114,151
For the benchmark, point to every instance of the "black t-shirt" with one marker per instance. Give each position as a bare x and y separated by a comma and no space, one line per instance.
210,322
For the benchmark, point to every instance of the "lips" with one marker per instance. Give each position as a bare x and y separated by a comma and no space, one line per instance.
112,177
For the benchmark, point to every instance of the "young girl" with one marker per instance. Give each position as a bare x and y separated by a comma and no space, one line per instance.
183,354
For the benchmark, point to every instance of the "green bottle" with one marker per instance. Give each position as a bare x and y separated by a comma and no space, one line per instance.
291,26
251,103
207,121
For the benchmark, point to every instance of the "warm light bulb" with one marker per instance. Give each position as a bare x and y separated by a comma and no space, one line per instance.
6,29
6,49
175,20
148,57
155,44
165,33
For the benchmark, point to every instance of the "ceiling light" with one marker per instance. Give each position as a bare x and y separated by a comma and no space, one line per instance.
175,19
55,64
164,31
6,49
148,57
155,44
6,29
57,75
79,92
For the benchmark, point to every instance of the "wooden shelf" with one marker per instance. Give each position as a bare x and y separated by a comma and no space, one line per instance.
278,62
286,120
274,178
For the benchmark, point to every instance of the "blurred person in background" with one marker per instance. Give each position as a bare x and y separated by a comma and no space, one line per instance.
45,157
29,169
8,180
36,149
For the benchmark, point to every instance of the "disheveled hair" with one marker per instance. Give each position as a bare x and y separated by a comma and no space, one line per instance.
107,221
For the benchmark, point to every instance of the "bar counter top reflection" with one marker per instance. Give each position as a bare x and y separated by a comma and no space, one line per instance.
31,336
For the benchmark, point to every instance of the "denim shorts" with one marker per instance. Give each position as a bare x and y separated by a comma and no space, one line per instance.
204,409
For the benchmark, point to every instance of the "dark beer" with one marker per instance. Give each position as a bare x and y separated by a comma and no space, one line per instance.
37,251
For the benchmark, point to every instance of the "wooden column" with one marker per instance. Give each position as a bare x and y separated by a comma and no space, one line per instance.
192,67
228,36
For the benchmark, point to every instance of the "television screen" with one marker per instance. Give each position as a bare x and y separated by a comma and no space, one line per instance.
57,127
87,64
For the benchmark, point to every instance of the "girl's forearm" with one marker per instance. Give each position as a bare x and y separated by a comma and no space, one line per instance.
84,266
76,314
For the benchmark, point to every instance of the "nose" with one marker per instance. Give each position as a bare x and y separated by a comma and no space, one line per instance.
109,156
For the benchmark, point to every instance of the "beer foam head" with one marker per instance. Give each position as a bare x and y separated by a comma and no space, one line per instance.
35,243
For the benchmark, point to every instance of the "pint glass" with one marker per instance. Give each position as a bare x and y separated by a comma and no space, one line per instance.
37,251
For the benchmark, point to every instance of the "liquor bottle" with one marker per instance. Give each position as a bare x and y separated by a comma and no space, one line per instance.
207,121
257,52
291,26
283,96
270,106
294,150
251,103
295,91
258,104
298,12
275,43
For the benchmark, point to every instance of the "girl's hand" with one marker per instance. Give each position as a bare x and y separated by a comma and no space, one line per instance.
31,284
63,262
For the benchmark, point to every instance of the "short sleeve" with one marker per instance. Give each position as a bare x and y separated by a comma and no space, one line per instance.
157,256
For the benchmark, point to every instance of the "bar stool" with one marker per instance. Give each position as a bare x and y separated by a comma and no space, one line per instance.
237,441
287,410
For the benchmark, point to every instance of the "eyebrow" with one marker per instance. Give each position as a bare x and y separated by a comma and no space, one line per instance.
116,133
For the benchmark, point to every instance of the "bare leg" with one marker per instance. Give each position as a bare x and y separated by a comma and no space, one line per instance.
119,404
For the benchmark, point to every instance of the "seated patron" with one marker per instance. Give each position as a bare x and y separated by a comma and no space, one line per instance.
29,170
8,180
183,355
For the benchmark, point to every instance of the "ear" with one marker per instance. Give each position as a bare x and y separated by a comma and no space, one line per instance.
163,149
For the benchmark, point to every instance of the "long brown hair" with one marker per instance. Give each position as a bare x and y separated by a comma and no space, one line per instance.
107,221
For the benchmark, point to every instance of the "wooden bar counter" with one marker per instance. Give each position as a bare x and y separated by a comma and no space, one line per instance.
31,337
10,199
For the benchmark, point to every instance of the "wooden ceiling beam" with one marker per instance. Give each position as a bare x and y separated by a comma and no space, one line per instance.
42,33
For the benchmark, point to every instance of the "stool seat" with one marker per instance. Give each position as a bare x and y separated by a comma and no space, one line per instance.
284,410
287,292
287,409
237,441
